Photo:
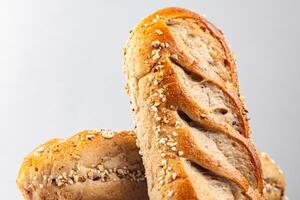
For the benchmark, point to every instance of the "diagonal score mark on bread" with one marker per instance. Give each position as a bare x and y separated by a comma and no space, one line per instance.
190,120
206,124
218,99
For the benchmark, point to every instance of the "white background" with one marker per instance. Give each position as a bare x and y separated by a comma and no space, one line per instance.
60,72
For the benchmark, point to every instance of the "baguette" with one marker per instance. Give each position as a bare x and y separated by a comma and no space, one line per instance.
274,183
91,165
191,122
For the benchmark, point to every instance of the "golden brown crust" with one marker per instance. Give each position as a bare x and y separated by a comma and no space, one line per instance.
174,13
274,181
90,165
166,76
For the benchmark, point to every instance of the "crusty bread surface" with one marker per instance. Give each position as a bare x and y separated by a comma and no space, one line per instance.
191,122
91,165
274,181
33,186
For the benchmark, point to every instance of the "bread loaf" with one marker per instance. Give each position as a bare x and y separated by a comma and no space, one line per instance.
51,153
274,182
91,165
191,122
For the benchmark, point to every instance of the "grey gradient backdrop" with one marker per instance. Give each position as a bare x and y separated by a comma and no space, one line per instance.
60,72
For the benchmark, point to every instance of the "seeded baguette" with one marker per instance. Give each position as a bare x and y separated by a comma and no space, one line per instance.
274,182
191,122
60,188
91,165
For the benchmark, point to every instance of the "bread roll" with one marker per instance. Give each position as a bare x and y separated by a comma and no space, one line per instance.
191,123
91,165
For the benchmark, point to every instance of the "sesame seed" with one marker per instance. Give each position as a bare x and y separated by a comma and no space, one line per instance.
59,182
100,167
159,32
264,155
180,153
163,140
76,178
172,107
153,108
155,54
89,136
186,82
76,156
172,144
107,134
155,44
170,193
160,91
203,115
157,128
151,78
156,104
174,176
161,183
64,174
177,123
163,162
160,178
40,150
140,152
